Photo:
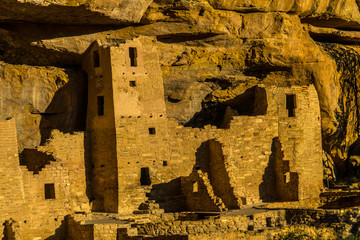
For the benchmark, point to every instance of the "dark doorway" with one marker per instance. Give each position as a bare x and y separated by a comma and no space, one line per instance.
145,177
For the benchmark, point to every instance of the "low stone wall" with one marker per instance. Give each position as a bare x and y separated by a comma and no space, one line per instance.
222,223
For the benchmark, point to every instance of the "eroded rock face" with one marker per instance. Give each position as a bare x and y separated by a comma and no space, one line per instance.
41,99
74,11
210,52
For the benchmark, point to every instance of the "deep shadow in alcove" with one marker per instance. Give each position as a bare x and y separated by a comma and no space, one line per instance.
67,113
202,156
252,102
67,110
267,189
168,196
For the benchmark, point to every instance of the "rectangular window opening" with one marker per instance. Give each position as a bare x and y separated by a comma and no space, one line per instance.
49,191
100,105
96,59
269,222
132,83
152,131
145,177
133,56
291,104
165,163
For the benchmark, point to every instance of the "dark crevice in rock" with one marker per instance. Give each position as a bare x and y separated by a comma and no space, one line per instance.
326,38
261,71
40,31
222,83
173,100
37,56
176,38
332,22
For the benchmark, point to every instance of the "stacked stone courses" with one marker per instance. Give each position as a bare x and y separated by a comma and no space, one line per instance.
132,157
23,194
250,146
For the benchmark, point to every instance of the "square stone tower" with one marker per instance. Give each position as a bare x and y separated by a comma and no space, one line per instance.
124,82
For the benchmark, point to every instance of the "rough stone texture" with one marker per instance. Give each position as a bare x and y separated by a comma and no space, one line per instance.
133,143
23,197
211,55
41,99
214,50
77,11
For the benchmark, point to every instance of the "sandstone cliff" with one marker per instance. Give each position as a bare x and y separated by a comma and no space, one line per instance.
209,51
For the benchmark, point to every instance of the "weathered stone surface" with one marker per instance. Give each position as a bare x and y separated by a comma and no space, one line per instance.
210,53
203,51
41,99
74,11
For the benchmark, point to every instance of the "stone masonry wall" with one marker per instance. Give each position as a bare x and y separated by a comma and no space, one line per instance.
152,150
23,192
246,145
12,196
199,193
300,138
100,128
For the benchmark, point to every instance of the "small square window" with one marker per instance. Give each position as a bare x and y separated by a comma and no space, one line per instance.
165,163
132,84
152,131
49,191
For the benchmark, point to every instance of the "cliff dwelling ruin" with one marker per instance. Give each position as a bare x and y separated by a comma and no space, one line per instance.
179,120
269,151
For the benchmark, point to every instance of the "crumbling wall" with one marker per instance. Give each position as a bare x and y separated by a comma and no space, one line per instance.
219,176
37,209
287,182
69,152
58,190
12,201
78,231
300,138
199,193
246,147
